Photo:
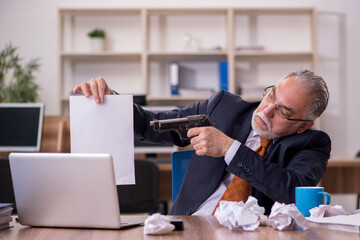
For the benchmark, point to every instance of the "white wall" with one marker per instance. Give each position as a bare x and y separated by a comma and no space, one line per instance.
32,26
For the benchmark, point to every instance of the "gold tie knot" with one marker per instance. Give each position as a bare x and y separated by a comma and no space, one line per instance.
264,142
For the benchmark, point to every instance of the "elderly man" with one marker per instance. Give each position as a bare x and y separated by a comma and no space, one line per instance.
261,149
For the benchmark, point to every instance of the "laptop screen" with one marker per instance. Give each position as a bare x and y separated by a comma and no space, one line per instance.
21,126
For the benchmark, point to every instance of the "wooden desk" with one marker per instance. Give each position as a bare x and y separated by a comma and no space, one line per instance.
195,227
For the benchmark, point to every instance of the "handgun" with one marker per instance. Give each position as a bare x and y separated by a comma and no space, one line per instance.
181,124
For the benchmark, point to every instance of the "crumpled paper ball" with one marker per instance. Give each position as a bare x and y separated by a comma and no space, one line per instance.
286,217
158,224
327,211
240,215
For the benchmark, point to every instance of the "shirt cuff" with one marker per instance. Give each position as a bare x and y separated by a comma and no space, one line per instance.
232,151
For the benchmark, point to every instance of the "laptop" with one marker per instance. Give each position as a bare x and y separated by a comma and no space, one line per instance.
66,190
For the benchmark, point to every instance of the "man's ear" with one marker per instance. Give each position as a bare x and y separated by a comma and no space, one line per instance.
305,126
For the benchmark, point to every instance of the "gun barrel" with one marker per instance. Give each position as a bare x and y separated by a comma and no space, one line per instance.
180,124
167,121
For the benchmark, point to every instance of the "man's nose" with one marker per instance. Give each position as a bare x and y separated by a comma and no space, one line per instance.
269,111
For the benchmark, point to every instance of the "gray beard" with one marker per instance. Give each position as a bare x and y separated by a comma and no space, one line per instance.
266,134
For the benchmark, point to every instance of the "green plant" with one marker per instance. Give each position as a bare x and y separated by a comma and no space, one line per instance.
17,81
97,33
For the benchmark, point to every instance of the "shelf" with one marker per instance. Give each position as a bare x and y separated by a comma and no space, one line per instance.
96,54
170,56
177,54
177,98
85,56
273,10
248,53
251,98
101,55
187,11
99,11
142,41
174,100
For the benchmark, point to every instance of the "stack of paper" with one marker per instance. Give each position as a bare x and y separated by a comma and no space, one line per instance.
5,218
349,223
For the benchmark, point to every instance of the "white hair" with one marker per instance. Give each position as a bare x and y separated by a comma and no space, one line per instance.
315,86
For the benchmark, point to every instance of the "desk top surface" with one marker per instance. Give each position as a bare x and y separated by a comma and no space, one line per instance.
195,227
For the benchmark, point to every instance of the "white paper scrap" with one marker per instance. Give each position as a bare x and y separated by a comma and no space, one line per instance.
286,217
327,211
105,128
349,223
158,224
239,215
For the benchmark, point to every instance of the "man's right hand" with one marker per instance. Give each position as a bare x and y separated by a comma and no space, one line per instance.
96,87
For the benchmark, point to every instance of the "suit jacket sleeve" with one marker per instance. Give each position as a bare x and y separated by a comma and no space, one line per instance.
144,132
295,160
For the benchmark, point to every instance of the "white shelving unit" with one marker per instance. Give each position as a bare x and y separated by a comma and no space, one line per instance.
141,43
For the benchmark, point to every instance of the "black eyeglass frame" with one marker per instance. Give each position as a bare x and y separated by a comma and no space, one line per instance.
268,90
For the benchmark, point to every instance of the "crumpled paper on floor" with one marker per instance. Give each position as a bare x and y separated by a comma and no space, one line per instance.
327,211
286,217
240,215
158,224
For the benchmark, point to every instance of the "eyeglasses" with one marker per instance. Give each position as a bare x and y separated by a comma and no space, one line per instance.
270,92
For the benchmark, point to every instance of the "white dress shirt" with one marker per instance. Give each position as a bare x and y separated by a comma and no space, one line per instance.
207,207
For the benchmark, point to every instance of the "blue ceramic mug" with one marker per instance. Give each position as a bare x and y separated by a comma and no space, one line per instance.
307,198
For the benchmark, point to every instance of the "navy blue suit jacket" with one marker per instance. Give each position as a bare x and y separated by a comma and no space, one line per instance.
295,160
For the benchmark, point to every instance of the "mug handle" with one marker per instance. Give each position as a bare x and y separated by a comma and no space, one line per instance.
327,196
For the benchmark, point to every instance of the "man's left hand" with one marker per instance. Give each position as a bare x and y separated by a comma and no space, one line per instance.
209,141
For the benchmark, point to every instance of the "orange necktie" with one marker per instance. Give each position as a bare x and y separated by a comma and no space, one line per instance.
239,189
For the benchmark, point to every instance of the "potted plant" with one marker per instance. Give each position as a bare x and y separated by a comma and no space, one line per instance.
97,38
16,81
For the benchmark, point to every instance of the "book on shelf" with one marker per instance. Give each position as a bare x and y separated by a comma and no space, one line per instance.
250,48
348,223
5,215
174,77
223,75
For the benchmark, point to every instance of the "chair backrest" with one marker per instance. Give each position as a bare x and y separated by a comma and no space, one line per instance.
143,196
179,161
56,134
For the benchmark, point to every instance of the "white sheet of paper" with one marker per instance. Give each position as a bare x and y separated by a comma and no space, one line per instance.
105,128
340,219
348,223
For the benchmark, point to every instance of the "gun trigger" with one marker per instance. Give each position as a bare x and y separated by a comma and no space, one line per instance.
181,138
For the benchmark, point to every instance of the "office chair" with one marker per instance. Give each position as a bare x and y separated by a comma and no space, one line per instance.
143,196
6,185
179,162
